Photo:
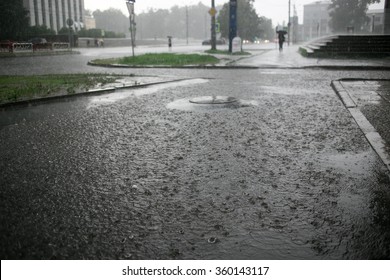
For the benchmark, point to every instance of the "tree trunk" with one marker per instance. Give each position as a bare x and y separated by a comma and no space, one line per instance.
386,29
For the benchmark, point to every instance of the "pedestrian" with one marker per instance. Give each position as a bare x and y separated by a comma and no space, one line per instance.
169,42
88,43
281,40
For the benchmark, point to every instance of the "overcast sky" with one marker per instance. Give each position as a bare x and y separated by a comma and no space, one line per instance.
277,10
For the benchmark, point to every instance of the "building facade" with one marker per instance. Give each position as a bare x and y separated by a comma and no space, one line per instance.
55,13
90,22
316,20
376,21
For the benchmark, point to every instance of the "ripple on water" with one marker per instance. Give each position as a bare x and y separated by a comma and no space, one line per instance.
185,104
120,95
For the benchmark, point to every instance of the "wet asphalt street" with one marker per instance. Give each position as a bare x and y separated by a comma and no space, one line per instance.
143,174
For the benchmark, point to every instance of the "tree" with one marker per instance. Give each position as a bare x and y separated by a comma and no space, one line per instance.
267,32
348,13
111,19
13,19
249,24
159,23
39,31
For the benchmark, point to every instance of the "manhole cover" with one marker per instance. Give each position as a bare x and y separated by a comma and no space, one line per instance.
213,100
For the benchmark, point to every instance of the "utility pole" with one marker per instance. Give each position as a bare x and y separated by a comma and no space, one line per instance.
130,7
187,23
213,33
232,23
289,23
205,26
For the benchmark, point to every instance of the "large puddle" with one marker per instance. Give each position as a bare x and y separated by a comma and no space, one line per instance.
120,95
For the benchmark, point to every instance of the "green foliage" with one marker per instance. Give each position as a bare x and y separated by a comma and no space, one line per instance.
13,19
111,19
249,24
267,31
92,33
39,31
111,34
63,31
349,13
163,22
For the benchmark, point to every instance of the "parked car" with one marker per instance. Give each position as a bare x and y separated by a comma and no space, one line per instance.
218,41
40,44
38,41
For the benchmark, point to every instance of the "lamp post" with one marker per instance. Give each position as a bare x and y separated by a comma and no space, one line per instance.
187,23
289,22
130,8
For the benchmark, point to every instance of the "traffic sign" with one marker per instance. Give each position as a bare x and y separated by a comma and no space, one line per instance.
218,27
212,12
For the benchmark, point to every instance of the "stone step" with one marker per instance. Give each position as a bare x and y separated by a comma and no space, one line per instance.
345,45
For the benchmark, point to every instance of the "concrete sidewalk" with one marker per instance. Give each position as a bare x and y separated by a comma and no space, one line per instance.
291,58
368,101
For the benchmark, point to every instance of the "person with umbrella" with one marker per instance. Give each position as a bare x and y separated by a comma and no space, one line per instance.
281,38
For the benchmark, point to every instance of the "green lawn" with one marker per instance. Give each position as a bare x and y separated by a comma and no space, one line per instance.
161,59
14,88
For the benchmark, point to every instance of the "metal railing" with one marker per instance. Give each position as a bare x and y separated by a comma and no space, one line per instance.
30,47
22,47
60,46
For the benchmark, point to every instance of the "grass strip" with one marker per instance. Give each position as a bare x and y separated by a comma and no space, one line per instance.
16,88
160,59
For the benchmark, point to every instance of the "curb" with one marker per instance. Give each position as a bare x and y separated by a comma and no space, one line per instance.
350,67
230,66
369,131
172,67
84,93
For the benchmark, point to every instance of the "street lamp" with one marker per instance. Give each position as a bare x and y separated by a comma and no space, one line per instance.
289,22
130,8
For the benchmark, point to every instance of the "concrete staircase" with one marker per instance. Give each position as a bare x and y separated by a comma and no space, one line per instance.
348,46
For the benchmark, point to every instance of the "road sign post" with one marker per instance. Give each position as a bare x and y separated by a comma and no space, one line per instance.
213,12
130,7
232,23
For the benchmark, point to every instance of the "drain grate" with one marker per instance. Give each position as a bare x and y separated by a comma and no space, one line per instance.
213,100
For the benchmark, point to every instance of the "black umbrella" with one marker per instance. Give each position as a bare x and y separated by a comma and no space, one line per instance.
281,32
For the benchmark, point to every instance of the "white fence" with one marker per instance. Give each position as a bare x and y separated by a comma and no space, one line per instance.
60,46
30,47
22,47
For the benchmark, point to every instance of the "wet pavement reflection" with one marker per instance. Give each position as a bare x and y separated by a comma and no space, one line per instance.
133,175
